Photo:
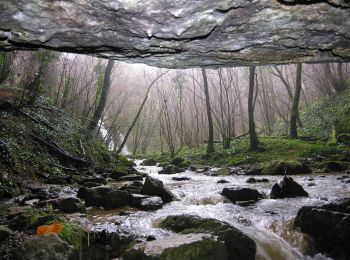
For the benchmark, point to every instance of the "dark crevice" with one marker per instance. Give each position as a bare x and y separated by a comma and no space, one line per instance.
310,2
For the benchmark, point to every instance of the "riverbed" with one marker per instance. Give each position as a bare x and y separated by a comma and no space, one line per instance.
269,222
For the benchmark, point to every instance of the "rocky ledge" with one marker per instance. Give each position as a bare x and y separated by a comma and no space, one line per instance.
180,34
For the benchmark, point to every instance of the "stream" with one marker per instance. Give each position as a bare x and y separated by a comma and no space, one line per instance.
269,222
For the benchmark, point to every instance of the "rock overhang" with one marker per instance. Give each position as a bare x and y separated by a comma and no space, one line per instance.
182,33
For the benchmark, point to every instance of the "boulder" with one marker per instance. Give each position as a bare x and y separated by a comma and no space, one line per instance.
116,199
149,162
134,187
181,178
170,169
107,245
189,246
286,168
222,181
69,205
5,233
329,227
91,184
47,247
131,177
287,188
59,179
94,196
180,162
241,194
151,203
156,187
254,180
135,199
333,166
100,180
115,175
238,245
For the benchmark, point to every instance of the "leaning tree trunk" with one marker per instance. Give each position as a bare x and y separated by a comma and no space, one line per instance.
254,143
138,113
103,99
210,146
295,107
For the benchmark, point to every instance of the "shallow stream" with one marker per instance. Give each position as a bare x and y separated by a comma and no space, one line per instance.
269,222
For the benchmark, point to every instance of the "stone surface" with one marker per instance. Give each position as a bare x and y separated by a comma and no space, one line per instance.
4,233
241,194
151,203
93,196
156,187
239,245
149,162
48,247
179,34
329,226
189,246
287,188
116,199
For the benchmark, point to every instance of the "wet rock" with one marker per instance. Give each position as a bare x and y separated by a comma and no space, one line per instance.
333,166
222,181
246,203
5,233
115,175
131,177
59,179
149,162
203,170
329,226
69,205
180,162
49,247
107,245
170,169
135,199
193,168
94,196
311,184
189,246
254,180
116,199
241,194
151,203
287,188
156,187
131,170
94,180
239,245
286,168
181,178
134,187
91,184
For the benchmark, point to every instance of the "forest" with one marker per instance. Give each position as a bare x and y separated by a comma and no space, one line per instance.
91,147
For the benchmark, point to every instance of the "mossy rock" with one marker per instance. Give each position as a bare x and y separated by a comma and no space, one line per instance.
344,138
9,189
286,168
333,166
149,162
180,162
164,164
239,245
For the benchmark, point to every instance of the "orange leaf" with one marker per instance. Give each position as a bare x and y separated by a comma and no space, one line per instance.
41,230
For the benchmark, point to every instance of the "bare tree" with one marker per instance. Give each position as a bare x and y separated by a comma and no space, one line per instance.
295,106
254,143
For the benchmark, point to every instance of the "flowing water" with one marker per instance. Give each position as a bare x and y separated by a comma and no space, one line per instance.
269,222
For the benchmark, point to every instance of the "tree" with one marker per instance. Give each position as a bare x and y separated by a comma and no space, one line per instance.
210,146
295,106
254,143
102,102
138,113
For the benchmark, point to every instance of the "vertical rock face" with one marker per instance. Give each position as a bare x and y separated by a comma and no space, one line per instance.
179,34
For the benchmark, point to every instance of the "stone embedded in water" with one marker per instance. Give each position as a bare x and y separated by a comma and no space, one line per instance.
48,247
189,246
151,203
241,194
329,226
131,177
254,180
287,188
239,245
156,187
116,199
181,178
93,196
222,181
180,34
149,162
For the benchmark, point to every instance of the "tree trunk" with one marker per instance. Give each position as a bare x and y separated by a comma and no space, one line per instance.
210,146
138,114
103,99
254,143
295,107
